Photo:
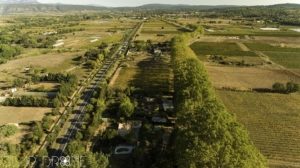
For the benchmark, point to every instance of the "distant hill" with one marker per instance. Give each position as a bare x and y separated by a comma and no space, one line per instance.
14,8
181,6
32,6
286,5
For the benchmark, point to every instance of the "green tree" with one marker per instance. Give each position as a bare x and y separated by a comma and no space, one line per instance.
126,107
292,87
96,160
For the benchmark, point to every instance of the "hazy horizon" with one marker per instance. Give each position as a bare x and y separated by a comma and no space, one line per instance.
119,3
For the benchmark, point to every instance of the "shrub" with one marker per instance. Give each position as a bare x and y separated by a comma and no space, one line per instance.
278,87
8,130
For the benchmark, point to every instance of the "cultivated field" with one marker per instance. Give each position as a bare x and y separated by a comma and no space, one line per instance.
226,49
273,122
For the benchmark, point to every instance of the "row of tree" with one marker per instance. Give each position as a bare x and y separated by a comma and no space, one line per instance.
207,135
54,77
27,101
289,87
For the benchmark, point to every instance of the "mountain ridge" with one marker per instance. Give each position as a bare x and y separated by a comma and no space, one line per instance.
30,6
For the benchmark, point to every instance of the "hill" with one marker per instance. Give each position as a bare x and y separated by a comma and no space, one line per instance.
18,2
13,8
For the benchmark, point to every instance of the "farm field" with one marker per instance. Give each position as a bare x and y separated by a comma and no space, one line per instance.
157,31
226,49
241,30
247,77
273,122
268,47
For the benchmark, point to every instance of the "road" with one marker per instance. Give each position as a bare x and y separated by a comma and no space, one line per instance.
74,122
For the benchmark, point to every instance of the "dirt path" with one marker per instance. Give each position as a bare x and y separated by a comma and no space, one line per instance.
242,46
71,69
115,77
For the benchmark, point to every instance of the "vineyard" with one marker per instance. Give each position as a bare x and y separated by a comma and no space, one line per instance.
273,126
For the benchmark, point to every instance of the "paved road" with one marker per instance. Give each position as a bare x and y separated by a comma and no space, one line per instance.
87,94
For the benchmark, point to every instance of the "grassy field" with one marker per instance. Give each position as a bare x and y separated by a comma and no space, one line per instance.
224,48
21,114
268,47
54,62
287,59
157,31
273,122
247,77
152,76
293,42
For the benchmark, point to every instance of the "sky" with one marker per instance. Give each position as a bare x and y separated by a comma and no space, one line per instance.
117,3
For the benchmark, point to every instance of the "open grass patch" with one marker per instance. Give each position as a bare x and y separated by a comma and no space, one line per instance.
212,48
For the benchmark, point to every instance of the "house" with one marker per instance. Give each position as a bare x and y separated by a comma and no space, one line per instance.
125,128
167,105
2,99
13,90
149,99
26,69
159,120
157,52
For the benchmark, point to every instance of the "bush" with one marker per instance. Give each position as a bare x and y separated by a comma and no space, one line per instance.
8,130
278,87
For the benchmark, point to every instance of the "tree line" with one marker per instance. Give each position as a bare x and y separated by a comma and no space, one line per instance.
53,77
207,135
27,101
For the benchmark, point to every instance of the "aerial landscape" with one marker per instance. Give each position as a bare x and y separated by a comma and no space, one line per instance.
141,84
